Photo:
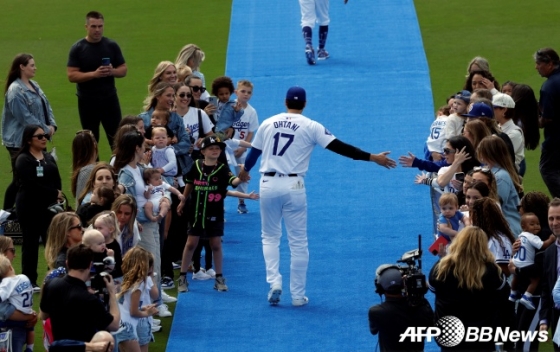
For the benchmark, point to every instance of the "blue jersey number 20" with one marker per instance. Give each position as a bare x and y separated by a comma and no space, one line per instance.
277,136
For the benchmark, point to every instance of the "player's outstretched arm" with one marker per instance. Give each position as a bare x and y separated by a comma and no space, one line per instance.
352,152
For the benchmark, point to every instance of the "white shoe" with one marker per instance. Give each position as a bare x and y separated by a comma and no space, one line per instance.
274,295
176,266
298,302
211,272
201,275
163,311
156,328
156,322
167,298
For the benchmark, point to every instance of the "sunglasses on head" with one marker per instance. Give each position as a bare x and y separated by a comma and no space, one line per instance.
188,95
448,151
84,131
41,136
198,88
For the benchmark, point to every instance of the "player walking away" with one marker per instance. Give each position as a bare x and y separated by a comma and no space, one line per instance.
286,141
93,64
315,11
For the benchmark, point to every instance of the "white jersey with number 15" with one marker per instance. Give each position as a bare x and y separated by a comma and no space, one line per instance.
287,140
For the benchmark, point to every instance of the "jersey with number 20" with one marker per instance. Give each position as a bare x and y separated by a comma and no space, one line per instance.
287,140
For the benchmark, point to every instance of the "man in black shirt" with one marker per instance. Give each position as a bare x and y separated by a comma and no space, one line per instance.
391,318
93,64
75,313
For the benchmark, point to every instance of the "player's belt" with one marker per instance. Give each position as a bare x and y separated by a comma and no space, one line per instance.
281,175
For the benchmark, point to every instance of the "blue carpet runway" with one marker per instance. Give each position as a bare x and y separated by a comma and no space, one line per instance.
374,92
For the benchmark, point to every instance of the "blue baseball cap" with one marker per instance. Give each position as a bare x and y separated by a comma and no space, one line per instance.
479,110
464,95
296,93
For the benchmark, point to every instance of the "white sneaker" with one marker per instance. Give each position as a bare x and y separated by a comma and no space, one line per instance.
211,272
274,295
201,275
167,298
298,302
176,266
156,328
156,322
163,311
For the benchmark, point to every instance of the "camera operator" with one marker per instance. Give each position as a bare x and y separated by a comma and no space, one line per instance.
75,313
391,318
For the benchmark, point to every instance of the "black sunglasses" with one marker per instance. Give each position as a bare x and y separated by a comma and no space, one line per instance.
75,227
183,95
41,136
198,88
448,151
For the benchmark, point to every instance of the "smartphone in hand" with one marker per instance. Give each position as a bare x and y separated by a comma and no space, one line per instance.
460,176
105,61
213,100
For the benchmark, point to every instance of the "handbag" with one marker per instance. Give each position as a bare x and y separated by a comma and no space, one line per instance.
60,207
6,341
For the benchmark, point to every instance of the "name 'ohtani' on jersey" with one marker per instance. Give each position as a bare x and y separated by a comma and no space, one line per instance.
286,124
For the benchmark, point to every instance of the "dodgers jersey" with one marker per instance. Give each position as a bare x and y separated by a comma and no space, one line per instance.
287,140
525,256
19,291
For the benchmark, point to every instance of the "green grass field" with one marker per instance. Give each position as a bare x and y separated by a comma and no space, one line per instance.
507,33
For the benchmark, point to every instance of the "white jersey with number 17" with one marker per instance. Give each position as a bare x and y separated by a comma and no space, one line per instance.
287,140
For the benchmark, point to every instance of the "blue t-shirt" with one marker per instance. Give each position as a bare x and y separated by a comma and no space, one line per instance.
453,222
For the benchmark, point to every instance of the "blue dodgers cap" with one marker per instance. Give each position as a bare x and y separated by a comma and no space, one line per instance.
464,95
479,110
296,93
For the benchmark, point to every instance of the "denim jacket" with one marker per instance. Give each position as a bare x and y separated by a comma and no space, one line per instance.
227,116
183,145
23,107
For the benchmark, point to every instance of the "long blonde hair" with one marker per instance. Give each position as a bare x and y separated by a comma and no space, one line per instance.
190,52
57,236
151,100
467,259
135,268
160,69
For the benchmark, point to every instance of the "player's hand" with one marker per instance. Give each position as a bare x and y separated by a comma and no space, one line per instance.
244,175
383,160
407,160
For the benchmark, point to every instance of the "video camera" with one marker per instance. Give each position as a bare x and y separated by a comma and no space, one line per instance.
413,278
97,274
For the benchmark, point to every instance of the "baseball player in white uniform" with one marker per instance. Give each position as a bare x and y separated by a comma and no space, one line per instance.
286,141
315,11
